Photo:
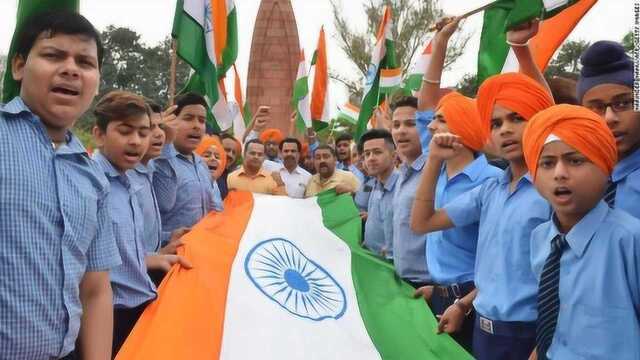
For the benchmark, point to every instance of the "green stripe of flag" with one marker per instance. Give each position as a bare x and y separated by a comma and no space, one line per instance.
26,9
230,52
400,326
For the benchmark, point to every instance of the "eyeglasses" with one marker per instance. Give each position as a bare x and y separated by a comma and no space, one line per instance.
617,106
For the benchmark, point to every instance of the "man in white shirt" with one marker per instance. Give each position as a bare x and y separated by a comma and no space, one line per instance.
294,177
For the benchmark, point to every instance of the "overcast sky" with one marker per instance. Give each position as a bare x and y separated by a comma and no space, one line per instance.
608,20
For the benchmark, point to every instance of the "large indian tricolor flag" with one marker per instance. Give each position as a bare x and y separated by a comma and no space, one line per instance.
282,278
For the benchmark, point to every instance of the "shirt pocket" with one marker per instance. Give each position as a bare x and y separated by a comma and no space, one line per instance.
601,332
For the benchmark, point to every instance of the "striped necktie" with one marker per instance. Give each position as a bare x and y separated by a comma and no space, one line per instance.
548,297
610,194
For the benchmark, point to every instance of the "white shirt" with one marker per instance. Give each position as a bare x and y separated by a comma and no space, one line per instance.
272,165
296,181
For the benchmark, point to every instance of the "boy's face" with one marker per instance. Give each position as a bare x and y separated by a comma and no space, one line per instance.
190,128
507,128
343,150
439,124
125,141
615,104
59,79
571,183
378,157
404,132
157,138
230,148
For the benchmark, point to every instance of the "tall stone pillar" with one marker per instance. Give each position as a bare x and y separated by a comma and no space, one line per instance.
273,62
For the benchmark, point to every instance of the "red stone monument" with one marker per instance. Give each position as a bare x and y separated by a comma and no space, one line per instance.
273,62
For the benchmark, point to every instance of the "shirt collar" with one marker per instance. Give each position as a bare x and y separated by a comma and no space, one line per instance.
141,168
581,233
262,172
417,164
73,145
391,181
109,170
473,170
626,166
507,175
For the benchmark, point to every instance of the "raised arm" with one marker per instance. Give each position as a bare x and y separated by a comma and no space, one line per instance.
430,90
424,217
518,38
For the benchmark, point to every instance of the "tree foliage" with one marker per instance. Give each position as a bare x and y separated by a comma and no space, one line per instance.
411,21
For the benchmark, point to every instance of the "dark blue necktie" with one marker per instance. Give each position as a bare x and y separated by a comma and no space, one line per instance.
610,194
548,297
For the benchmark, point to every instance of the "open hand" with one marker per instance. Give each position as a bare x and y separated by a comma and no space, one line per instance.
165,262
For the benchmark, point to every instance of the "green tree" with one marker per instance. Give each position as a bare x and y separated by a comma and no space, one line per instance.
468,85
411,21
627,42
3,68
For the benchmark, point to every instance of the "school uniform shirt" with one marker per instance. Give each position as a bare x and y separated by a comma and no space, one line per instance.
451,254
54,227
507,288
317,185
153,236
599,288
408,247
129,281
378,230
189,196
362,196
626,175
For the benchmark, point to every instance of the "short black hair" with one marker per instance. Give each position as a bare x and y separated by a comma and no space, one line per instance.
252,141
154,106
325,147
53,23
410,101
343,137
189,98
291,140
375,134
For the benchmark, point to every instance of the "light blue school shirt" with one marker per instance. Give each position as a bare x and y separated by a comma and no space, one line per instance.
423,119
129,281
451,254
408,247
378,230
599,289
507,288
195,193
54,227
626,175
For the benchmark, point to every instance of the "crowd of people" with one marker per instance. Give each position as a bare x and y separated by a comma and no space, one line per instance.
517,219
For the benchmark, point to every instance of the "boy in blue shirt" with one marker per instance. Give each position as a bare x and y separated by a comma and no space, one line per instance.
506,288
55,230
586,257
122,134
194,195
606,87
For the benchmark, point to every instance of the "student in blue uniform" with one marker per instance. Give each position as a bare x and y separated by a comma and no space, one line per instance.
122,134
586,257
505,303
195,194
606,87
451,253
55,230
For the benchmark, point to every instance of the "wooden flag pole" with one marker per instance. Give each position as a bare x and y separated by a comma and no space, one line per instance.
172,72
469,13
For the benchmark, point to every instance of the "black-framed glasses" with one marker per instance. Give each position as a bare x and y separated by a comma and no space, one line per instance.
616,105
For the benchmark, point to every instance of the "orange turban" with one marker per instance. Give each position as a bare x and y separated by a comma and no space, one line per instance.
273,135
514,91
463,119
209,141
576,126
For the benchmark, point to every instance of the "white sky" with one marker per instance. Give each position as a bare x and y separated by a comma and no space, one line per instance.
608,20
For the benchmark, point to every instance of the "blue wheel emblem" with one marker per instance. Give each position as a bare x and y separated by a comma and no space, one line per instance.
299,285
